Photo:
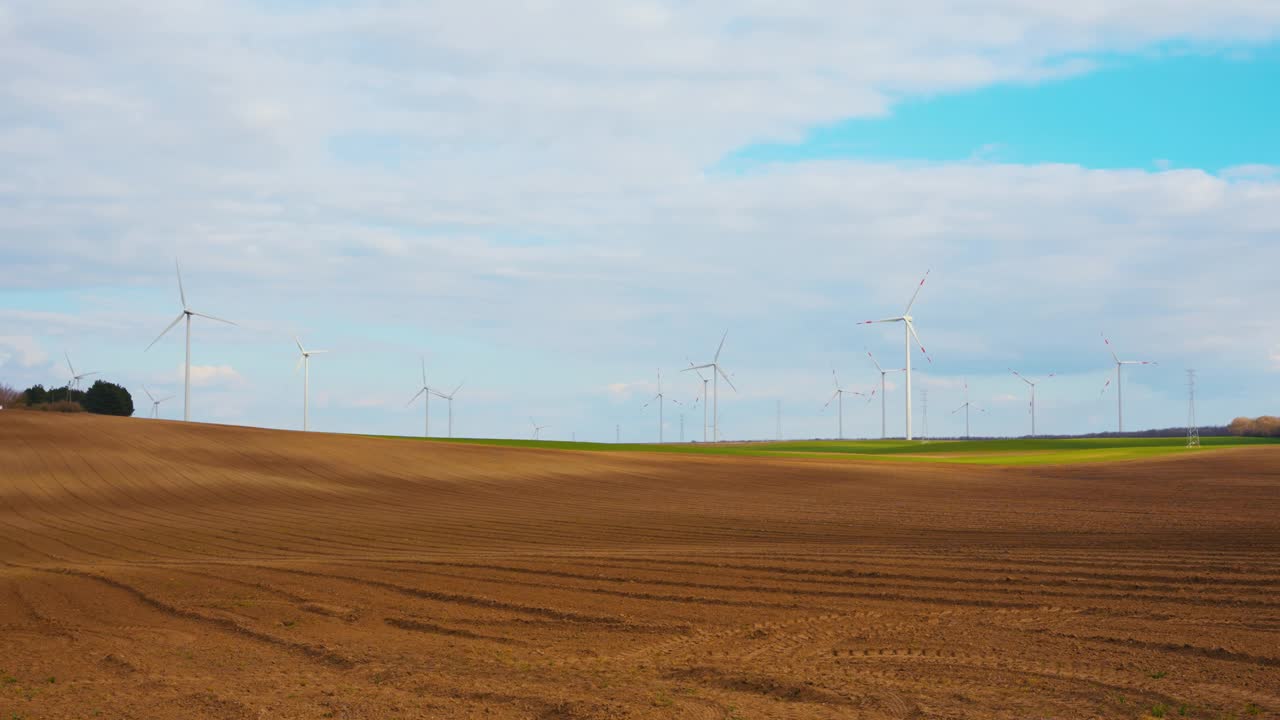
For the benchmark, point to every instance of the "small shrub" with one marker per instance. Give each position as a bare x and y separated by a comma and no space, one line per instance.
1159,710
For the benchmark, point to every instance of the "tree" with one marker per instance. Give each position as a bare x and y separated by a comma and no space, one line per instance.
35,395
106,398
8,396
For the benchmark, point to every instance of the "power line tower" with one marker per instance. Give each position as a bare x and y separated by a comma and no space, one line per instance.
1193,430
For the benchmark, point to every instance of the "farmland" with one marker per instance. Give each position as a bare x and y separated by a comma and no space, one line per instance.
160,570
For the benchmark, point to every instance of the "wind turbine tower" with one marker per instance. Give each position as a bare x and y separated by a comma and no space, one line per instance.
660,398
909,332
448,397
186,313
838,397
155,402
305,361
1119,382
1193,429
537,429
425,391
1033,384
966,406
883,392
716,372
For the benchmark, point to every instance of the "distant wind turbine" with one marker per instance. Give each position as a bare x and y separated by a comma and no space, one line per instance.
660,398
305,361
966,406
883,392
1119,390
1033,384
186,313
838,396
425,391
909,332
716,372
704,380
537,429
448,397
155,402
74,382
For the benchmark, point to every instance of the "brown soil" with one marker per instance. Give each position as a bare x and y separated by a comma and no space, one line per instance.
158,570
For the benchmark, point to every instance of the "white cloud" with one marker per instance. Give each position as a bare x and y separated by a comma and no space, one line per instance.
209,376
22,349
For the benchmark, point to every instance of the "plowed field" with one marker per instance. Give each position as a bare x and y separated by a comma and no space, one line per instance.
155,570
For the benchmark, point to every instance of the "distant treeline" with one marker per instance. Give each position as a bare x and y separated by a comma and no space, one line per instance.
102,398
1264,426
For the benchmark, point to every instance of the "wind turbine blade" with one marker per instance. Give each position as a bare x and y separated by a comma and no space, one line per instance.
831,399
455,390
181,292
873,361
1109,348
167,329
698,367
299,342
210,317
148,392
415,397
440,395
872,322
1105,385
85,375
316,352
676,401
917,292
1015,372
726,378
298,365
912,328
835,378
953,412
166,397
722,339
69,365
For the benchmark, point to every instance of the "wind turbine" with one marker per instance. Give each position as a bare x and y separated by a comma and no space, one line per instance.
839,394
966,407
448,397
74,382
660,398
425,391
883,391
305,361
1033,384
186,313
155,402
537,429
704,399
716,373
1120,390
909,332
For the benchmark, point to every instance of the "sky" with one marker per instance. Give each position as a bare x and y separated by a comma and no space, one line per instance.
551,201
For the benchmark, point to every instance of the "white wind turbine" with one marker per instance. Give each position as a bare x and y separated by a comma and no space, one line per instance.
425,391
909,332
704,380
1033,384
966,406
186,313
537,429
448,397
74,382
305,361
838,396
155,402
1120,390
883,392
716,373
660,397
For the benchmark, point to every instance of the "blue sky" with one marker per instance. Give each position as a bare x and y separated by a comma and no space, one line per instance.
553,207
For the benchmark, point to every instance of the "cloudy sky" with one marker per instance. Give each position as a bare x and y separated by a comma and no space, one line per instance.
552,200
